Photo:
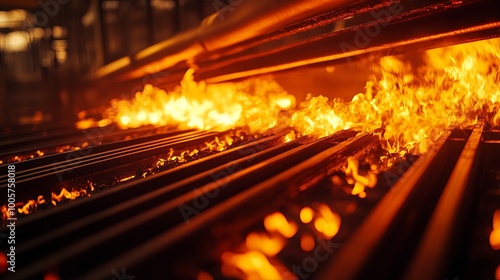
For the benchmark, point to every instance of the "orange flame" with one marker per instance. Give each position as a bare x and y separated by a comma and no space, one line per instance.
202,106
307,242
254,264
495,233
413,105
327,222
270,246
306,215
359,181
277,222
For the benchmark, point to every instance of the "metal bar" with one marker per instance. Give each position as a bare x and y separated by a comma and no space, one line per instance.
108,142
255,17
58,217
150,223
436,248
68,159
358,252
397,36
38,141
48,173
312,169
69,234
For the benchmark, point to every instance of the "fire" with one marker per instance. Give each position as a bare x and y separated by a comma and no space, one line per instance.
255,104
257,259
173,158
254,264
327,222
306,215
68,195
414,105
408,105
359,181
277,222
204,276
270,246
495,233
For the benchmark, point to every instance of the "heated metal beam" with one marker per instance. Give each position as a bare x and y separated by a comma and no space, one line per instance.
58,217
439,243
402,31
266,36
111,156
51,139
49,240
390,215
159,217
309,171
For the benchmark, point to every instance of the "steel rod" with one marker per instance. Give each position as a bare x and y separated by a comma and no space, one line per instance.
436,248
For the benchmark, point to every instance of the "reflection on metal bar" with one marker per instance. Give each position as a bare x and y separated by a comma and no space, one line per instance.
358,250
310,169
436,248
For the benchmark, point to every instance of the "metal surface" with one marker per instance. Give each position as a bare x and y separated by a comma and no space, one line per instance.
421,221
42,175
156,209
165,246
247,20
405,30
365,246
441,240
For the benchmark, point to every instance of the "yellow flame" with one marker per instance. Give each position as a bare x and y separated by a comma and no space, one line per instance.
254,264
277,222
328,222
27,207
306,215
290,136
202,106
270,246
359,181
415,105
408,104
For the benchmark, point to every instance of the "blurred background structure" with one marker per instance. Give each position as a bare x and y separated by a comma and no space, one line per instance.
49,47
